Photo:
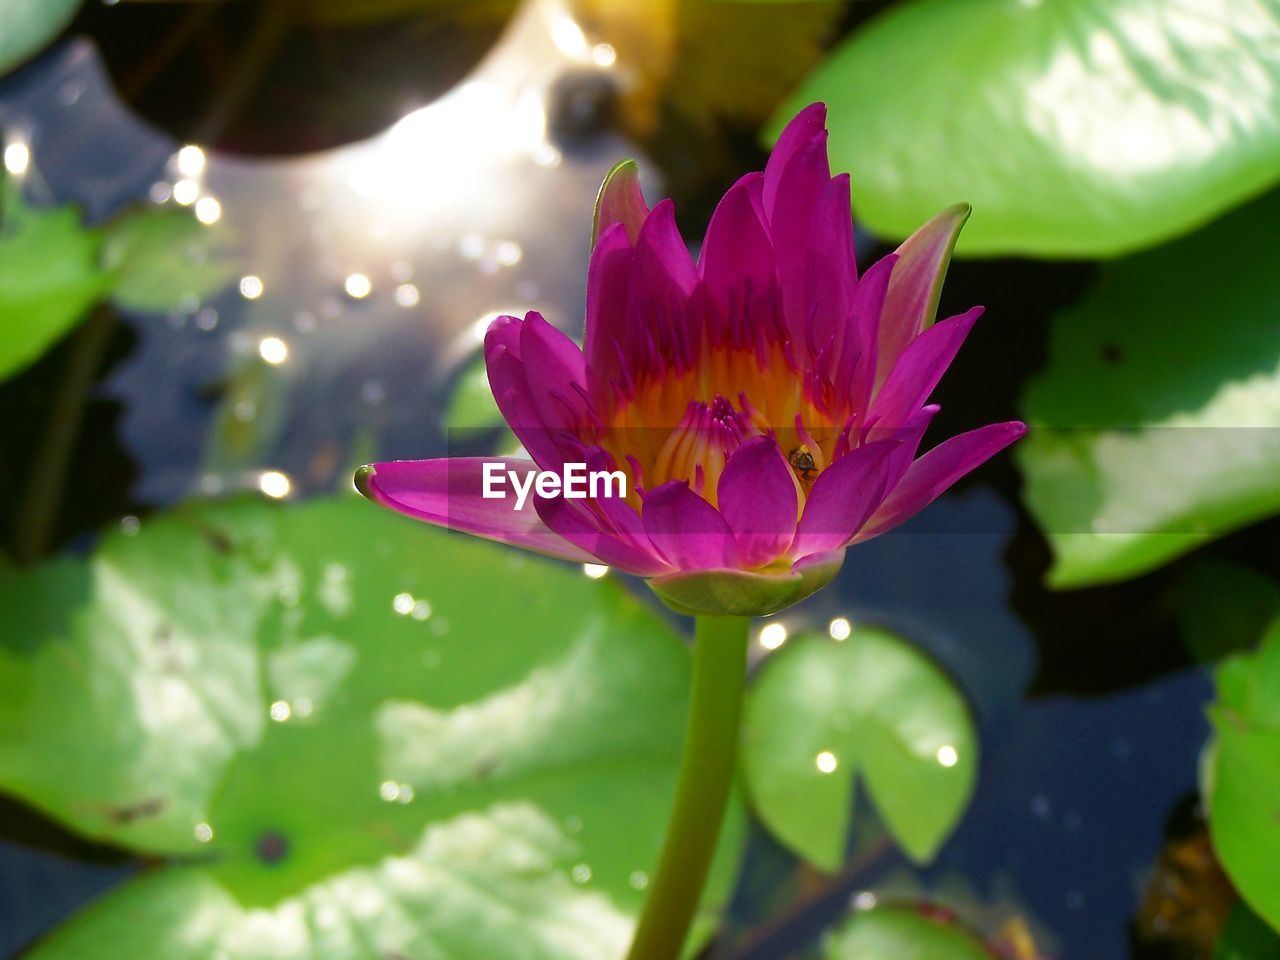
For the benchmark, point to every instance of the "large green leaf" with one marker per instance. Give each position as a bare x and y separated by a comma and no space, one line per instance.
1242,772
353,731
49,277
823,712
1154,427
166,259
896,933
1246,937
1074,127
30,24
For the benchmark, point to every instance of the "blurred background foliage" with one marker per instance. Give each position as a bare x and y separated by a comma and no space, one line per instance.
245,246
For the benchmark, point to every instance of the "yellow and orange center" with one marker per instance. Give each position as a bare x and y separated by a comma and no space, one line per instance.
684,426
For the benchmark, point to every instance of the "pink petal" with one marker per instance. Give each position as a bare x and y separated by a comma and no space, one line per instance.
810,121
581,528
856,374
511,391
608,293
620,201
556,372
917,283
842,498
542,423
737,256
931,475
831,270
758,499
662,258
686,530
449,493
907,436
920,368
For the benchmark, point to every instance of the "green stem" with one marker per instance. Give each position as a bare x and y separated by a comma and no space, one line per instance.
38,510
706,779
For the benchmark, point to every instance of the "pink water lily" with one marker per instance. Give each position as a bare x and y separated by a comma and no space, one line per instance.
765,403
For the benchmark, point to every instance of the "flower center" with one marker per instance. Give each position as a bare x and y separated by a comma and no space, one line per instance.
684,425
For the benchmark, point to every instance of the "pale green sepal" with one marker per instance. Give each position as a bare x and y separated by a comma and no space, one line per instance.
746,593
620,201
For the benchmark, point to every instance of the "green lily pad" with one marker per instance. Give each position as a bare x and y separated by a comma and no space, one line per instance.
896,933
472,414
1242,771
824,712
1154,426
1074,127
355,736
166,259
49,277
471,406
1222,607
1246,937
29,25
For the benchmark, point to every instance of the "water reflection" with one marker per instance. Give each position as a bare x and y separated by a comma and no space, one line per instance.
386,259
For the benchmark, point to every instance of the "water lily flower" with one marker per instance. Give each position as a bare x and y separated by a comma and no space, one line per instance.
765,402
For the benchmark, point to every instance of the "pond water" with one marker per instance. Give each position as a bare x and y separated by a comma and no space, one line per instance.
366,274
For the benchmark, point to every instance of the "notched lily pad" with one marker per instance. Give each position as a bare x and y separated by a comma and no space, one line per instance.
823,713
899,933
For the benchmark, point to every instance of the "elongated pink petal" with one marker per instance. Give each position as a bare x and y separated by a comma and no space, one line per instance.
579,527
556,372
920,368
686,530
513,395
795,228
449,493
856,375
620,201
737,258
617,514
842,498
830,270
913,297
758,499
608,292
660,321
931,475
662,258
810,121
907,436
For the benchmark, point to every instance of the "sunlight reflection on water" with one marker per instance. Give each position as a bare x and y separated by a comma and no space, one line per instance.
372,269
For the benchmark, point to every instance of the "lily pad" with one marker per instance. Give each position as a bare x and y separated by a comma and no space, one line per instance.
354,736
471,405
897,933
1246,937
29,25
1242,771
49,277
1154,428
824,712
166,259
1222,607
1080,128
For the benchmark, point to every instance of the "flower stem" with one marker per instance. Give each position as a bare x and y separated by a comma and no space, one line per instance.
706,779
